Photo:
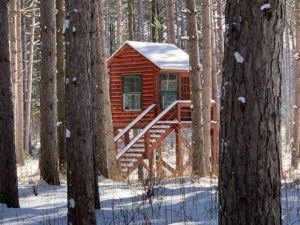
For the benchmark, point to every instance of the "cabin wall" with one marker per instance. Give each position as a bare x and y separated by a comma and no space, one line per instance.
129,61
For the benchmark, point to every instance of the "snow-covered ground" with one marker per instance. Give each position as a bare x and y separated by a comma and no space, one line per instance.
177,201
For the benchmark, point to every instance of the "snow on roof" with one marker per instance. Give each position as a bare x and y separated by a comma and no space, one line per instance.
164,56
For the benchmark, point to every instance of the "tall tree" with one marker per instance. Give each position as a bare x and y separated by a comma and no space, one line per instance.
28,83
119,24
15,76
198,159
206,91
220,41
154,20
296,128
106,150
79,113
48,102
249,178
8,170
141,21
170,23
60,79
130,19
19,93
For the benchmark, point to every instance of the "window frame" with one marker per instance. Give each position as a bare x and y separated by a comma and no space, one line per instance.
161,92
124,76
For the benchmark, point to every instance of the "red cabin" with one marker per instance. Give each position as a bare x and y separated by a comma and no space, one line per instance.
149,93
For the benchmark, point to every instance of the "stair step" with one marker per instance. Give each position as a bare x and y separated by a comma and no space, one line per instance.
136,150
167,122
152,140
161,126
133,155
155,135
125,165
138,145
157,131
128,160
141,140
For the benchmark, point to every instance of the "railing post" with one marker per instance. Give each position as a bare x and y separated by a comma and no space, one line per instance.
179,160
149,153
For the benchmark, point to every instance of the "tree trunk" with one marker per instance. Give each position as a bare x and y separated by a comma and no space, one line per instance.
119,24
141,21
8,170
220,45
130,19
296,130
199,167
14,70
154,31
79,113
206,91
19,93
28,83
170,24
249,180
60,79
48,106
106,148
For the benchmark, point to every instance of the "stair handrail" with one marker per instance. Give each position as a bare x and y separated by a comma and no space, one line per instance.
156,119
137,119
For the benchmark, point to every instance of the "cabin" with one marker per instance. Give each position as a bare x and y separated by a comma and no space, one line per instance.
150,98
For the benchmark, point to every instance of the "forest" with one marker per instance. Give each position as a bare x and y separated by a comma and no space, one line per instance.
149,112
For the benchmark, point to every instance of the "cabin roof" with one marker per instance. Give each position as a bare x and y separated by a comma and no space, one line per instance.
164,56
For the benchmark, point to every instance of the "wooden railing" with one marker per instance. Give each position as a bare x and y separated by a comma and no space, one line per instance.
179,104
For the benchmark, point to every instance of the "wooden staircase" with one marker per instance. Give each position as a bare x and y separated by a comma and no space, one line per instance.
141,147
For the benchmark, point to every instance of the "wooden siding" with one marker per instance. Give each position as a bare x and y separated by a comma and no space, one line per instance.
128,61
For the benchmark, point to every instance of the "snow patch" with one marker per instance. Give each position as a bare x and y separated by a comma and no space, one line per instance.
238,57
186,11
68,133
75,10
265,6
74,29
58,123
72,203
67,81
74,79
65,26
185,38
242,99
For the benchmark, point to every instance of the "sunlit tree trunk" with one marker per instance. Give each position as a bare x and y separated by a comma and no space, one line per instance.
199,166
106,150
28,83
119,24
206,91
130,19
296,130
154,31
170,23
249,176
80,121
48,107
8,169
141,21
220,45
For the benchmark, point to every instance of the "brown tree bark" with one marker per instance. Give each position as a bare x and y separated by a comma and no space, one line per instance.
119,24
130,19
106,149
199,167
80,121
19,93
154,31
206,91
48,102
220,45
249,180
296,128
8,170
28,83
170,22
60,89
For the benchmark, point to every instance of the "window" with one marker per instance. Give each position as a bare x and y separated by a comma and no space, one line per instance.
131,92
167,89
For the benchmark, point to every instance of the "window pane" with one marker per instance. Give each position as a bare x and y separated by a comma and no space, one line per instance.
131,92
167,98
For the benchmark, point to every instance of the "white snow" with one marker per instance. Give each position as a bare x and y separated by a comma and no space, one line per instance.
185,38
238,57
58,123
75,10
165,56
65,26
73,29
72,203
186,10
74,79
45,27
68,133
67,81
265,6
242,99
